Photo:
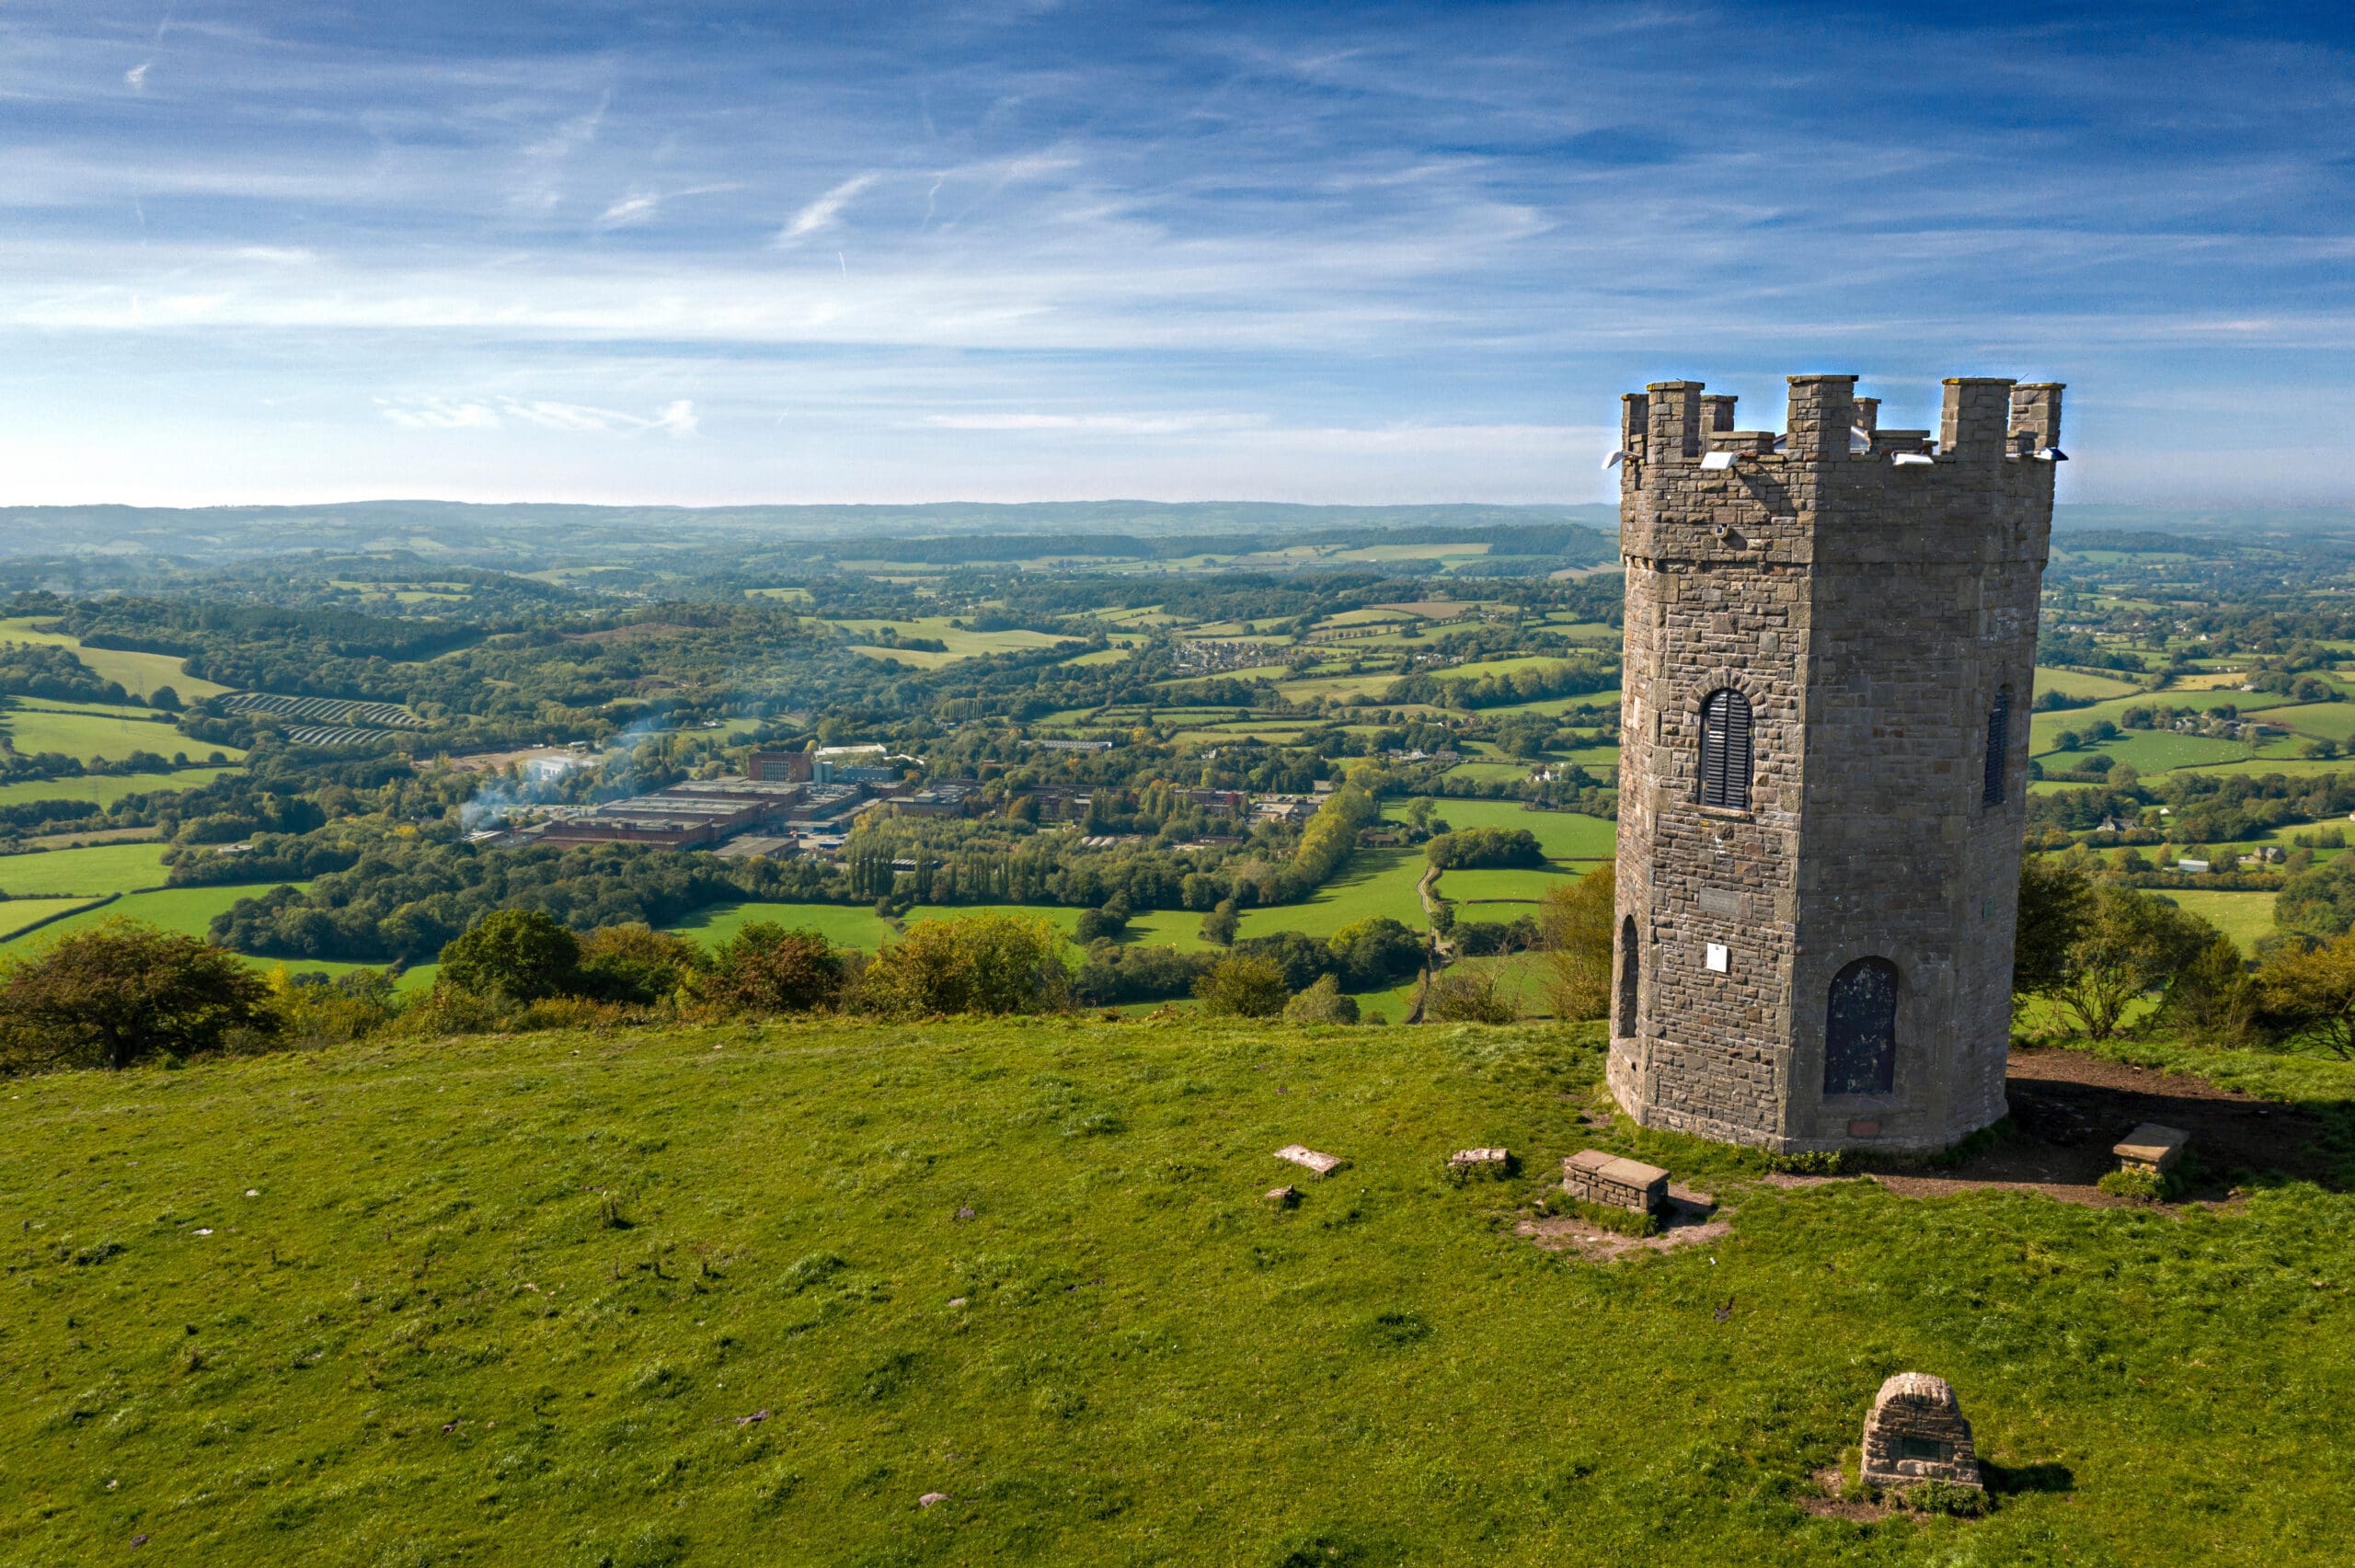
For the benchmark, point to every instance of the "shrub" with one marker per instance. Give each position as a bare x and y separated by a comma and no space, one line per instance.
1095,925
1945,1497
636,965
125,990
1324,1003
1467,995
993,963
765,968
2142,1186
1243,986
520,954
1575,925
1810,1162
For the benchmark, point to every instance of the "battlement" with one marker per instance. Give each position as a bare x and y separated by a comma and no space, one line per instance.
1982,421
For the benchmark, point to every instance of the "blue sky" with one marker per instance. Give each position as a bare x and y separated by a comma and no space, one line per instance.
705,253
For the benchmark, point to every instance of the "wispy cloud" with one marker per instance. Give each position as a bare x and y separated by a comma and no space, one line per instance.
1416,246
825,210
675,419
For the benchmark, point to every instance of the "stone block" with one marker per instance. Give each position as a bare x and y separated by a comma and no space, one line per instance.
1318,1165
2151,1148
1614,1181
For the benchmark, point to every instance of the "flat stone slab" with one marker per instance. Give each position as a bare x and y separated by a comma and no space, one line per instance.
1478,1157
1300,1154
2152,1148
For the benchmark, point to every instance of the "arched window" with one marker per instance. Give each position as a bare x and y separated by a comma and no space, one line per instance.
1630,977
1725,750
1860,1030
1999,738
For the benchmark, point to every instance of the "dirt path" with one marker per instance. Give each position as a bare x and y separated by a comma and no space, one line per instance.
2069,1108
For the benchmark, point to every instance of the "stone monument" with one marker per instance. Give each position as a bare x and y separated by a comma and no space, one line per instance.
1916,1433
1831,643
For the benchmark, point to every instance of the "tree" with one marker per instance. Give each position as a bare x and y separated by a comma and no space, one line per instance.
163,700
2055,900
766,969
521,954
1376,952
2310,995
2211,997
1324,1003
1464,994
1220,923
1243,986
125,990
993,963
2131,943
1574,923
636,964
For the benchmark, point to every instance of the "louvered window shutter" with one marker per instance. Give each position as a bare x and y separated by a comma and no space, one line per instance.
1725,750
1999,730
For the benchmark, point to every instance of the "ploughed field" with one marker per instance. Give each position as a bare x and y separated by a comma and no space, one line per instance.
735,1294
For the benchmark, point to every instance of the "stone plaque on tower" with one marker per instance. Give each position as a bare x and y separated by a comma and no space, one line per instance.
1830,645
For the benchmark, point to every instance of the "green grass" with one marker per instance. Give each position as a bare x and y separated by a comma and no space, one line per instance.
1180,929
1565,835
137,673
2244,917
2330,721
2153,751
23,914
961,645
100,868
846,925
90,735
2072,683
187,910
1377,882
1517,883
105,789
419,1340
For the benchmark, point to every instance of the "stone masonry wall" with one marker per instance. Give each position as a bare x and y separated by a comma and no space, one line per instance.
1870,611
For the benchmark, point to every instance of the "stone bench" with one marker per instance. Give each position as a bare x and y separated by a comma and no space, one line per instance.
1615,1180
2151,1148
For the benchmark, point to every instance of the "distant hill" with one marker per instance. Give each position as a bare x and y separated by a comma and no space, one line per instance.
464,529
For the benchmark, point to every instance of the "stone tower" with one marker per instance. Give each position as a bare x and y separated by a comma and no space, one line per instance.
1830,650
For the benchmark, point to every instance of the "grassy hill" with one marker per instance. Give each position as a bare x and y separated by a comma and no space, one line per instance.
737,1294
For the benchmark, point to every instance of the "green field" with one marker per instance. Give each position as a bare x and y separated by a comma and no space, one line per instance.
2155,750
1180,929
1564,835
961,645
2075,683
89,734
1377,882
23,914
2334,721
2244,917
102,868
105,789
845,925
187,910
514,1300
1526,887
137,673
